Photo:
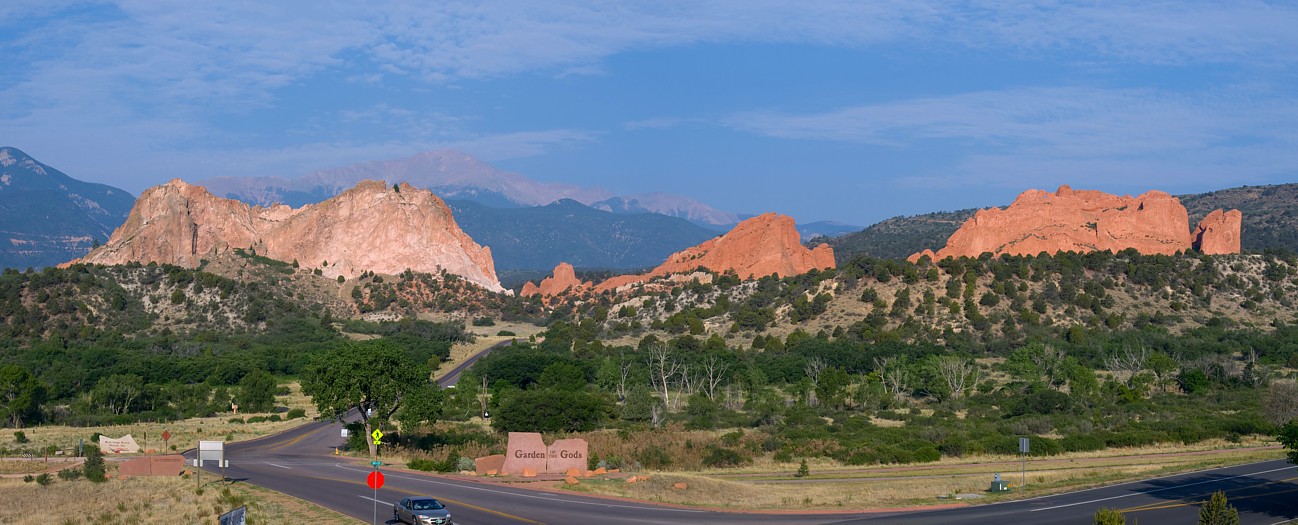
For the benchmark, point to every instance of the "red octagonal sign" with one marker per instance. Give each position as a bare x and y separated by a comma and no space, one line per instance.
375,480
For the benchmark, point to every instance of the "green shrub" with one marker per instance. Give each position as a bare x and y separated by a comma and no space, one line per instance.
20,437
720,457
424,464
927,454
506,333
70,474
237,421
295,413
1081,443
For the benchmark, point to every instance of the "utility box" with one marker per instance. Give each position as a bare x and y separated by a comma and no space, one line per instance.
998,485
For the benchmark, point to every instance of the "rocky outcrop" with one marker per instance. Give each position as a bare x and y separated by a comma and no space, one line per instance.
763,245
371,227
563,279
1219,232
1080,221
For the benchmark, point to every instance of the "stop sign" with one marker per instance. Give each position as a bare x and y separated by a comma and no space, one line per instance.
375,480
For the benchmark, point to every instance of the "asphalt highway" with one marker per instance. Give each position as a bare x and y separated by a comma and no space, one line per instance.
301,462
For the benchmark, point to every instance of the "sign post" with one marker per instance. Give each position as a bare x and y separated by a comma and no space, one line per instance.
1024,446
166,441
375,480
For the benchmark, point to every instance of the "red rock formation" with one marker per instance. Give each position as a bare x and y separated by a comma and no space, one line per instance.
1067,220
369,227
1219,232
563,279
763,245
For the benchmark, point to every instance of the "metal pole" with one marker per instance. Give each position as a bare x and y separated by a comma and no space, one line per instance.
1024,469
375,519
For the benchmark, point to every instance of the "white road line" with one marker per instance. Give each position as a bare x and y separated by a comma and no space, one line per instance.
561,500
372,499
1159,490
280,466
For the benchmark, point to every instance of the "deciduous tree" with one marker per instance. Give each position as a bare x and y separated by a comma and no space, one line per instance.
378,380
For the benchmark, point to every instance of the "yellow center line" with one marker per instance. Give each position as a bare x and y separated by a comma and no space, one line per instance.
448,500
1184,502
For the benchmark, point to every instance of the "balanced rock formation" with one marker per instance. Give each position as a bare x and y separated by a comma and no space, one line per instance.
372,227
1219,232
760,246
563,278
1083,221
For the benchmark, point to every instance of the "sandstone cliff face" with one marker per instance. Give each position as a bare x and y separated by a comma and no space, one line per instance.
1219,232
563,279
369,227
757,247
1080,221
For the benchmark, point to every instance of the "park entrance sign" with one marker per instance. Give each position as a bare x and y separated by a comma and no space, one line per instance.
528,452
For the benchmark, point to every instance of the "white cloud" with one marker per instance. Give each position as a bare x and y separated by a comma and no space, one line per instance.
1009,137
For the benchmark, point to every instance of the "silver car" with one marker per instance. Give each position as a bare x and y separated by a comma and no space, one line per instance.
421,511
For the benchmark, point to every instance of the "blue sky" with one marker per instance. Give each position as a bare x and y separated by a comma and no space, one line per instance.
850,111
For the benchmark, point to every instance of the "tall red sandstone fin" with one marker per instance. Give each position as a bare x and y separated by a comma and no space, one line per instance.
763,245
371,227
1219,232
1072,220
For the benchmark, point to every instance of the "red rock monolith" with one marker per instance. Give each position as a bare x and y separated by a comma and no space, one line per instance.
489,465
768,244
371,227
567,455
1219,232
1074,220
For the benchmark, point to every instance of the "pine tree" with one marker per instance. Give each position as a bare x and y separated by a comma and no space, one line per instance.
94,466
1217,512
803,470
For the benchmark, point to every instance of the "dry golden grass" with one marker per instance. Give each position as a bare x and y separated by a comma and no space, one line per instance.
12,466
151,500
885,487
184,434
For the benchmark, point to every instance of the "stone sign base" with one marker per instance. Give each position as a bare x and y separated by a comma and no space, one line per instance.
169,465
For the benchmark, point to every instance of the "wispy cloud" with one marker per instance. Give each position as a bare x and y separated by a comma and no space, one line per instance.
1009,137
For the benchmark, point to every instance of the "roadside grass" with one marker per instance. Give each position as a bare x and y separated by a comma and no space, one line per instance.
902,486
185,433
151,500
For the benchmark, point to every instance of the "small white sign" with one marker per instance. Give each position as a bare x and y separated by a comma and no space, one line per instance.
346,433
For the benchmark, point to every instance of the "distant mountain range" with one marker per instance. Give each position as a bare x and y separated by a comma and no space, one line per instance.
47,217
457,176
538,238
1270,222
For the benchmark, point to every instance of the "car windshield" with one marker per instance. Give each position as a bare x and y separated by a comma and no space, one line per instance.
426,504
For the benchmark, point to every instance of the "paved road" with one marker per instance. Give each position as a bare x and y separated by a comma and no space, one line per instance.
1265,493
300,462
453,377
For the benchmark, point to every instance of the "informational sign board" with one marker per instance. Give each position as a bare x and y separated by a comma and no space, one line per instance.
122,445
1023,445
235,517
211,451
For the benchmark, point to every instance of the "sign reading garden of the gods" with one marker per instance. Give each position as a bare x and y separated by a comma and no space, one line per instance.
526,450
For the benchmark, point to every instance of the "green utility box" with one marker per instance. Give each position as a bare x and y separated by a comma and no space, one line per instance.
998,485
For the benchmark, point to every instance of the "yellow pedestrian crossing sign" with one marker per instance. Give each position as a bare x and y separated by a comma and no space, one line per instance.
377,435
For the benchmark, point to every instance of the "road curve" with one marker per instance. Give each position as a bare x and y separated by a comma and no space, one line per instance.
300,462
